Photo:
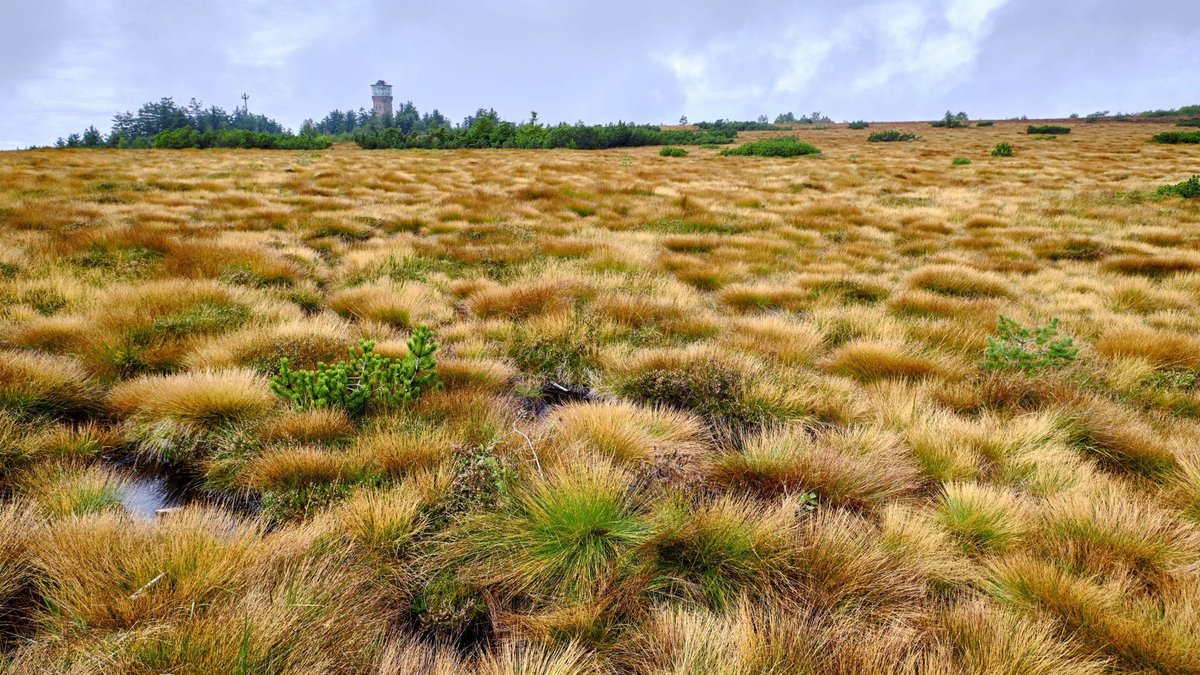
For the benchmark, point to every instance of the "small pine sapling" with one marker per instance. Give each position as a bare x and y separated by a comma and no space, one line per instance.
364,379
1028,350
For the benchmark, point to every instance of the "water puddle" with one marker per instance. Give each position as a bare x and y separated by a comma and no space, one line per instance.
554,394
145,496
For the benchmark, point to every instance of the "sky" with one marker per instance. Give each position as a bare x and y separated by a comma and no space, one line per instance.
65,64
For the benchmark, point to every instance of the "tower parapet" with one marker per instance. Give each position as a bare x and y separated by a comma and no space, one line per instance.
381,98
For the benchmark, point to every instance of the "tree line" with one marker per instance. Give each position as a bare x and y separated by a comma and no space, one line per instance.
485,129
166,124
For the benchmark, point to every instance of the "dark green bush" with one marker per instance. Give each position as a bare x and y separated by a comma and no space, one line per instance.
1048,129
891,136
1174,137
367,378
672,151
187,137
960,161
1188,189
987,123
731,125
1189,123
487,130
1002,150
858,125
783,146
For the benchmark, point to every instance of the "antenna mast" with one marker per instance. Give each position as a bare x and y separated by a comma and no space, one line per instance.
246,103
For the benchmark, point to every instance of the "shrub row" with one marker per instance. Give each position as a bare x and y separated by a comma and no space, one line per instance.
1048,129
1174,137
490,132
187,137
735,126
783,146
891,136
858,125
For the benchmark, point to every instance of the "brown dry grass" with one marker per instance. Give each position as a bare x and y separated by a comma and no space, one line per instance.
746,330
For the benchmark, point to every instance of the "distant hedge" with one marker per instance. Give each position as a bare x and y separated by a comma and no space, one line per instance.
986,123
491,132
891,136
783,146
858,125
1174,137
187,137
1188,123
734,125
1049,129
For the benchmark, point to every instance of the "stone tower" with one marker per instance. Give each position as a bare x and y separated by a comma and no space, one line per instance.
381,98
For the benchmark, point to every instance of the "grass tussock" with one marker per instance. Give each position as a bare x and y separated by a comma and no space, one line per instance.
958,281
868,360
857,468
35,384
203,399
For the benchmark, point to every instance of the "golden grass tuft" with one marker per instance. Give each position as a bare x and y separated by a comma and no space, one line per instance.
983,519
34,384
94,566
294,467
397,452
629,433
323,426
1163,349
958,281
860,468
1109,534
403,305
304,342
868,360
202,398
525,299
776,337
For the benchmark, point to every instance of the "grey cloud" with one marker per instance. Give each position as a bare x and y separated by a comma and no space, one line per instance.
67,63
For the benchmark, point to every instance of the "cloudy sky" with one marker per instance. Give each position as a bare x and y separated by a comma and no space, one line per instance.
65,64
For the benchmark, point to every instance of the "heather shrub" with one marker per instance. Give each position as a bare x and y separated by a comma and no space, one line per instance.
1188,189
1047,129
891,136
783,146
1176,137
1002,150
672,151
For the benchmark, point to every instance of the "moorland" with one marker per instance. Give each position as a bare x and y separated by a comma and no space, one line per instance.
907,406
